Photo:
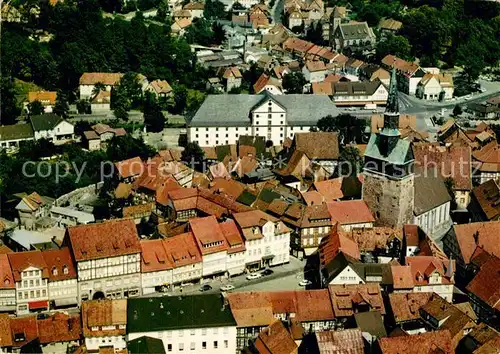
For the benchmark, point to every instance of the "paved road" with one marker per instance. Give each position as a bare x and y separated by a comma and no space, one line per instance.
289,274
133,116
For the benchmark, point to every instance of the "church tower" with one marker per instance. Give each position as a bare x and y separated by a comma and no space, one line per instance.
388,186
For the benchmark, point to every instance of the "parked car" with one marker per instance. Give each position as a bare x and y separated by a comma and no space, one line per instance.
305,282
205,287
254,276
227,287
267,272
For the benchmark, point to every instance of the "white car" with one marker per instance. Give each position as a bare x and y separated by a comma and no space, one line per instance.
305,282
253,276
227,287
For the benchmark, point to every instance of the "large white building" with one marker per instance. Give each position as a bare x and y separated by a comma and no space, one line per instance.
185,324
222,119
108,258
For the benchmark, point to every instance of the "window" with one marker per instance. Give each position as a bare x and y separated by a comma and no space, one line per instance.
25,283
226,331
193,332
196,135
31,282
216,345
203,331
32,294
269,116
38,293
192,346
181,333
226,344
203,345
181,347
20,295
216,331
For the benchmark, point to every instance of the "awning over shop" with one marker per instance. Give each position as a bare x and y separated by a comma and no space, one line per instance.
36,305
270,256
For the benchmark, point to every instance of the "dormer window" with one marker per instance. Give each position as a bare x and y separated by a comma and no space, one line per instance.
65,269
54,271
6,282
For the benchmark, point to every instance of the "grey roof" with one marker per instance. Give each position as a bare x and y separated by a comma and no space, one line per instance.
146,345
45,121
234,110
16,131
359,88
430,191
401,154
355,30
371,322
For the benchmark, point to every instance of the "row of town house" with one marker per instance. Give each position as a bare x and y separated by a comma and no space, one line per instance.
107,260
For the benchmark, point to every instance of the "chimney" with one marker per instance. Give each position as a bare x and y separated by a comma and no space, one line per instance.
476,237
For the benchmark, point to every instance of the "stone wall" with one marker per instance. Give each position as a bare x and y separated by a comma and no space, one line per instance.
76,195
391,201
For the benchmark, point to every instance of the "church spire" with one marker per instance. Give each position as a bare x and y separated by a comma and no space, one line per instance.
392,101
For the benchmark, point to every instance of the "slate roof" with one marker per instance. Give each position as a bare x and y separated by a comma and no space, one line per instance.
177,312
16,131
355,30
217,110
430,191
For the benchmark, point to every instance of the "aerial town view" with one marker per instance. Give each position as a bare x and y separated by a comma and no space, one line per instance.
250,176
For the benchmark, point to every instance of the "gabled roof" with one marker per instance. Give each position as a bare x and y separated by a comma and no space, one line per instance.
207,232
485,283
265,80
345,298
348,212
390,24
99,313
16,132
373,238
318,145
42,96
107,239
348,341
482,234
130,168
429,342
355,30
430,191
154,256
6,277
20,261
104,78
406,305
161,86
251,308
60,264
487,196
275,339
59,327
45,121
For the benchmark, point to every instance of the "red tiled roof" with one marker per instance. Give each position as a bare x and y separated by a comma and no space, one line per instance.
318,145
43,96
59,327
233,236
405,306
331,189
452,161
154,257
19,261
485,284
170,184
488,157
370,239
424,266
487,196
130,168
5,331
334,243
98,313
322,88
161,86
347,341
345,298
486,234
207,231
402,277
350,212
275,339
429,342
263,81
59,260
251,308
108,239
6,277
252,218
227,186
182,249
26,326
104,78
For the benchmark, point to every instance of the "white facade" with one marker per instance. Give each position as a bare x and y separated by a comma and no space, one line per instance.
313,76
94,343
275,90
235,263
150,280
347,276
272,249
113,277
267,120
433,219
86,90
187,273
31,288
349,227
379,96
62,132
63,292
211,340
443,290
12,145
430,91
214,263
7,299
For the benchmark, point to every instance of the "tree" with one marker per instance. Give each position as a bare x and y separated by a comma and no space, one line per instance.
61,106
126,147
350,128
10,109
350,161
180,99
200,32
119,103
294,82
153,116
98,87
214,10
457,110
395,45
131,88
35,108
83,107
193,156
